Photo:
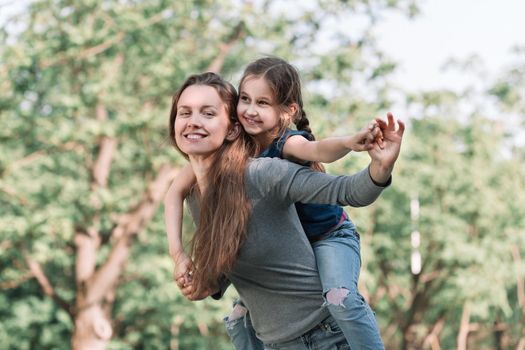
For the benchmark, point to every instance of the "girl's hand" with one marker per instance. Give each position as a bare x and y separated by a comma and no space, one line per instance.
183,268
365,139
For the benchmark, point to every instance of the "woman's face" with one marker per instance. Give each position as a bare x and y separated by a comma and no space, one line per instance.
202,121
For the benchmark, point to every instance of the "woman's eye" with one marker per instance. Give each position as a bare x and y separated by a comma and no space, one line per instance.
209,114
184,114
264,103
244,98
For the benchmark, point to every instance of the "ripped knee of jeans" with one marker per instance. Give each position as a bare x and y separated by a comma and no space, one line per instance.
238,311
336,296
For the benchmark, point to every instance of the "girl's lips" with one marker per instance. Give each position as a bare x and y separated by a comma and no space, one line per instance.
251,121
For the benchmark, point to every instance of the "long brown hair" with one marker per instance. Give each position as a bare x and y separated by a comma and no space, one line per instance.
285,84
224,206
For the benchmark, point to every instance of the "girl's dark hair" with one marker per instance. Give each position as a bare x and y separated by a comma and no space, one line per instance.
285,84
224,205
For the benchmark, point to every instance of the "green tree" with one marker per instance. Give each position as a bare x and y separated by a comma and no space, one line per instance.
84,158
466,175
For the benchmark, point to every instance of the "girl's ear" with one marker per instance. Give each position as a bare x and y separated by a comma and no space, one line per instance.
234,132
294,108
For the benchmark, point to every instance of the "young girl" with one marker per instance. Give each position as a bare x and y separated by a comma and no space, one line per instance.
269,101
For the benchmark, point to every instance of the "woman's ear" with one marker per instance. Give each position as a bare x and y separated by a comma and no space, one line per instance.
234,132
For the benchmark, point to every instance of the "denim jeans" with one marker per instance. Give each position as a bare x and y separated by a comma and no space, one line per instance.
325,336
338,259
241,331
338,256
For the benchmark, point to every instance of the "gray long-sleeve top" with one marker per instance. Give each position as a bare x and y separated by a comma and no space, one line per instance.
276,274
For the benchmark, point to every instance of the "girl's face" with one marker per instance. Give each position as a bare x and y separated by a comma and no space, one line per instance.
257,110
202,123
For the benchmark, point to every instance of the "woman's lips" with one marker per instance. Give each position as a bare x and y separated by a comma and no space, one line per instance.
194,136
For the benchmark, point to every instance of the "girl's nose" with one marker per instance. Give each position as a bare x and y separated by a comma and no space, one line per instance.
250,110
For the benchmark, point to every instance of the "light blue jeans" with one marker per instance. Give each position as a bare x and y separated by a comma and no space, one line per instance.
338,256
325,336
240,330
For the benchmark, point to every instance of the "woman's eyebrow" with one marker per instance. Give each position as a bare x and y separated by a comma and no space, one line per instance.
201,107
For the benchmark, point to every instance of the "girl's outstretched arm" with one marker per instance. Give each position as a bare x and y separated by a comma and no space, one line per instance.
298,148
173,208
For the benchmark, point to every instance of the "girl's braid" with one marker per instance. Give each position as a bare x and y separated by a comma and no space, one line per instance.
303,124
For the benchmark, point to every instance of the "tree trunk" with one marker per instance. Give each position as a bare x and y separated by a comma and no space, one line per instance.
96,286
92,329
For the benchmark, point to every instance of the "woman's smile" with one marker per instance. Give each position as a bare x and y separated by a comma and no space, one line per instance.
194,136
202,121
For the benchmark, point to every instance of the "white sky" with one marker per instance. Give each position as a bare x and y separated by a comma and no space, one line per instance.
451,29
445,29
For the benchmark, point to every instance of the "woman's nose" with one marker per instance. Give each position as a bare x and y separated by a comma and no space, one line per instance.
194,120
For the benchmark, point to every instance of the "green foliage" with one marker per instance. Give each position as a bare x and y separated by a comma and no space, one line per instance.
64,63
469,225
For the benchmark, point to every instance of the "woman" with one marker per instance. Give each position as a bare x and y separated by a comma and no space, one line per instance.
247,226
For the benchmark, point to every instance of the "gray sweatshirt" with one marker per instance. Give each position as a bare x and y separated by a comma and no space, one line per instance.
276,274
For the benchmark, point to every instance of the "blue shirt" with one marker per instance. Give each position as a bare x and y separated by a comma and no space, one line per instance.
316,219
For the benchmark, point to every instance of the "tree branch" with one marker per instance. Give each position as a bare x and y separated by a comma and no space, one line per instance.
91,51
15,283
10,192
464,327
26,160
430,276
521,344
108,146
61,58
432,339
43,281
520,282
88,240
420,300
87,243
102,166
107,275
225,47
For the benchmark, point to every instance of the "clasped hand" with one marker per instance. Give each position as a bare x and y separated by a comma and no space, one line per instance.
183,276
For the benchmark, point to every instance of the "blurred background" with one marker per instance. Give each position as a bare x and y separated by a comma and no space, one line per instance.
85,91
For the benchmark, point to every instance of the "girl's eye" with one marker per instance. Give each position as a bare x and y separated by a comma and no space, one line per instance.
184,114
264,103
209,114
244,98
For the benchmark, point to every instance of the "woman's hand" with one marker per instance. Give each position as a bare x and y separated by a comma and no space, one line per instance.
384,154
